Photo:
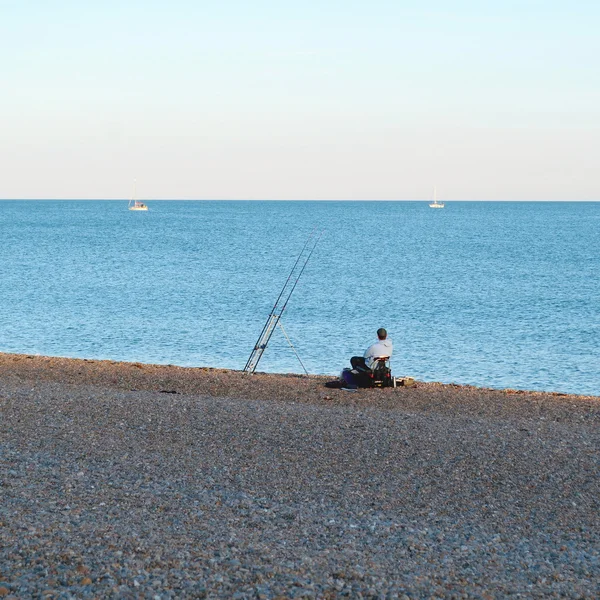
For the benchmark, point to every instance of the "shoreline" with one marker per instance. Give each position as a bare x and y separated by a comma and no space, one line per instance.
204,379
132,480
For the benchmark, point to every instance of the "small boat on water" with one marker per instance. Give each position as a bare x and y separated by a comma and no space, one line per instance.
136,204
435,203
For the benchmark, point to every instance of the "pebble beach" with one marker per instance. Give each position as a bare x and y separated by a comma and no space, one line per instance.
127,480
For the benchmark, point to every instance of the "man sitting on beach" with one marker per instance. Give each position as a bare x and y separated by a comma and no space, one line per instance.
361,374
382,347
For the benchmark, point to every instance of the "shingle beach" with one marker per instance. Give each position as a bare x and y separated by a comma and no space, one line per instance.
125,480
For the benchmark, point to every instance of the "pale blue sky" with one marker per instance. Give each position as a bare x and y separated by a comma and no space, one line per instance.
300,100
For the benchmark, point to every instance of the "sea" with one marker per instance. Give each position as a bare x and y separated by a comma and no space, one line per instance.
491,294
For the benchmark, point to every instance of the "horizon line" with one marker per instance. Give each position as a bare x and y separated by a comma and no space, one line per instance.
147,199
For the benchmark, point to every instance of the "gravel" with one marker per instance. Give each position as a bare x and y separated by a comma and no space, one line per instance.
142,481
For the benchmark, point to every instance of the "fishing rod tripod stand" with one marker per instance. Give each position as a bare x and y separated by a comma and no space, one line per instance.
274,318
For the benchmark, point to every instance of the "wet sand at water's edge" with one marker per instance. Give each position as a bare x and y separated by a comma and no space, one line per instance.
146,481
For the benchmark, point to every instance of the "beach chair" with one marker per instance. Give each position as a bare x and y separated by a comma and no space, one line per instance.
361,376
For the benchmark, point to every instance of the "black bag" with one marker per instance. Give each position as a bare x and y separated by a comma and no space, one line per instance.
382,374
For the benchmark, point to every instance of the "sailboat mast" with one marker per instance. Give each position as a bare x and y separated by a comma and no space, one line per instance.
132,199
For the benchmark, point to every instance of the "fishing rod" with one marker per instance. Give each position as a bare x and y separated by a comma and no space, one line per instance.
273,310
281,303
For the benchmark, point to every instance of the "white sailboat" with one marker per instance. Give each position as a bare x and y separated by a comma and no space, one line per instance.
136,204
435,203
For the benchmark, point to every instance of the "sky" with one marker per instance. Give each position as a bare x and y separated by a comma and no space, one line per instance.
319,99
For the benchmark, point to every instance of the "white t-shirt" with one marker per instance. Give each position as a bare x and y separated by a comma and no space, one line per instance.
378,349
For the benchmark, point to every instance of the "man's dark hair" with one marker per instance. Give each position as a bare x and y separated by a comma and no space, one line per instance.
381,333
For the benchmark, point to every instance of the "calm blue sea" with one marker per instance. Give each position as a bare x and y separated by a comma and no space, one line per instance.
485,293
